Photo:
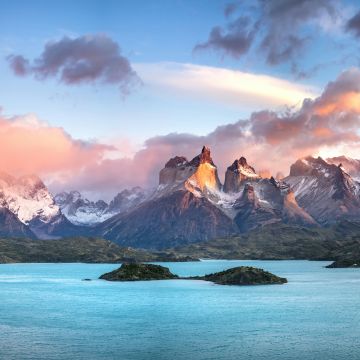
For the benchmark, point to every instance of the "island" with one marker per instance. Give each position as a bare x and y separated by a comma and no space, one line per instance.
242,275
345,263
139,272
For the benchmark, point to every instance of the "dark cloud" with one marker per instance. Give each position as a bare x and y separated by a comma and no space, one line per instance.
86,59
271,140
18,64
283,21
353,25
231,8
235,40
268,139
277,26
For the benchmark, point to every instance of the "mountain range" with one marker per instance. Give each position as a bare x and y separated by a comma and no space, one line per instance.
190,204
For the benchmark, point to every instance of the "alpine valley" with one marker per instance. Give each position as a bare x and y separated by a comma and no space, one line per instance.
190,204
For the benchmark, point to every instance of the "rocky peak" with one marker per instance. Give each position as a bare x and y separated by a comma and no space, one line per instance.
176,162
349,165
28,198
205,155
237,173
195,176
310,166
203,158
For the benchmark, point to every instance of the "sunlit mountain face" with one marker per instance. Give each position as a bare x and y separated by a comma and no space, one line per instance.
99,109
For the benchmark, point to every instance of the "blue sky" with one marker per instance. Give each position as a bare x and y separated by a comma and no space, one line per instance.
183,90
147,32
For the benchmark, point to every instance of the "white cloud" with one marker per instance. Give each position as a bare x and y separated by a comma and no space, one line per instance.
229,87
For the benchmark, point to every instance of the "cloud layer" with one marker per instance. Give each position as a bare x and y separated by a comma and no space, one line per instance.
85,59
271,141
275,28
231,87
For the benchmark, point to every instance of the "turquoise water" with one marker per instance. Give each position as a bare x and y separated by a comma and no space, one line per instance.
47,312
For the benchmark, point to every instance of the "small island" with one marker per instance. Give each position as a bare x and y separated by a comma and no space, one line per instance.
345,263
242,275
139,272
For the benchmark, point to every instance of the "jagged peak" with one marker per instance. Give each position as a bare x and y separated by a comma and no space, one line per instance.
240,164
310,165
176,162
203,158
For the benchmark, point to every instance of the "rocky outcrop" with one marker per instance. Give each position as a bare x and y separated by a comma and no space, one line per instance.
139,272
349,165
238,173
268,201
243,275
323,190
197,176
251,213
345,263
126,200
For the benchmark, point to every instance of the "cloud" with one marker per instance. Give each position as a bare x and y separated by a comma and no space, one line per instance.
353,25
19,65
86,59
28,145
283,21
231,87
269,140
276,25
235,40
231,8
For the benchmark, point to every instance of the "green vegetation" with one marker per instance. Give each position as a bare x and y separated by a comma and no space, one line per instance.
139,272
242,275
280,242
345,263
81,249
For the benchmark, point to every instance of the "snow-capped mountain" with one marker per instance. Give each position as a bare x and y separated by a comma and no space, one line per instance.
197,176
28,198
268,201
349,165
324,190
81,211
127,199
189,205
179,212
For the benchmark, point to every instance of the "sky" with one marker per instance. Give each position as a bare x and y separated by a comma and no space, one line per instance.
98,95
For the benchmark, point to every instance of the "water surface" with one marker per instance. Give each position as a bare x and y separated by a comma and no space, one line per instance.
47,312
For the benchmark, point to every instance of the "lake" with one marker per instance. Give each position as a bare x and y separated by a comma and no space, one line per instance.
47,312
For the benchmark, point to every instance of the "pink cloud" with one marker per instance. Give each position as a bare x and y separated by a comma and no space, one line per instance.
269,140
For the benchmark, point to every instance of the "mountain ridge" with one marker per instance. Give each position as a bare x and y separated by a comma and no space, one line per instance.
190,204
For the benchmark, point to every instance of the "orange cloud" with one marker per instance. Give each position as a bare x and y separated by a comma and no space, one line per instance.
268,139
345,102
30,146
